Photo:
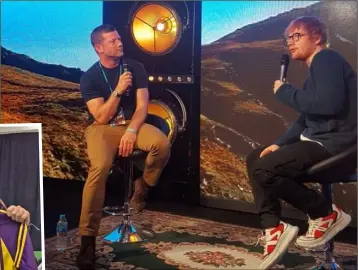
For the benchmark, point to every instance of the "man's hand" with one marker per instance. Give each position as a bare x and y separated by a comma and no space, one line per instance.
269,149
277,85
19,214
127,144
124,81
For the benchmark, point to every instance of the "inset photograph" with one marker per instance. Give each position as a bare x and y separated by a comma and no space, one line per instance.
21,215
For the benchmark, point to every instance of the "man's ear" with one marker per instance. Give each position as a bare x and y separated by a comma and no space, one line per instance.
98,48
318,39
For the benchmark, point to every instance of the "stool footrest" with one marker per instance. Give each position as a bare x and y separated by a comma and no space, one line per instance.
114,210
324,258
327,266
117,211
320,249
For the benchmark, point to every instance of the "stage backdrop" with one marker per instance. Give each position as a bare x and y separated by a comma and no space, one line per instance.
45,49
242,43
41,70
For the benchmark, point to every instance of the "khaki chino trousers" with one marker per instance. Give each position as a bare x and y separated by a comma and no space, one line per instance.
102,147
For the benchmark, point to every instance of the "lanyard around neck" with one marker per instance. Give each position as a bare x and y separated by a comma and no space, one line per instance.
105,76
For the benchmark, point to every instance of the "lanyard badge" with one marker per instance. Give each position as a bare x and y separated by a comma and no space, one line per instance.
118,119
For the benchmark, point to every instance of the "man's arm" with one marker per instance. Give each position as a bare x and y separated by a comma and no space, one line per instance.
293,133
141,110
326,95
129,138
103,111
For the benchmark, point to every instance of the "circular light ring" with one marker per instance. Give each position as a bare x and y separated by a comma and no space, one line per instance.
156,28
161,110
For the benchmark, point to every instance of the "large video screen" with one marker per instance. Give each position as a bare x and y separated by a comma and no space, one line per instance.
242,44
45,49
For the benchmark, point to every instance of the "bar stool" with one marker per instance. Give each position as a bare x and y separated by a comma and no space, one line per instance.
341,168
164,116
126,231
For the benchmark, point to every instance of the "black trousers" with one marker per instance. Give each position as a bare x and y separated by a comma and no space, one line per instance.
276,176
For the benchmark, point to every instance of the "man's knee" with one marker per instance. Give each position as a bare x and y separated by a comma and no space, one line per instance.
253,157
263,171
162,147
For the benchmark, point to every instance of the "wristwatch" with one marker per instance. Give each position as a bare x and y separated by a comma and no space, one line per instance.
116,94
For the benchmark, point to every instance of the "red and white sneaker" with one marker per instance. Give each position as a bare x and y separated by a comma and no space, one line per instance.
323,229
276,242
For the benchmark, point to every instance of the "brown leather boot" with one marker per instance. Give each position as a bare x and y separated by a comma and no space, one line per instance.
87,257
139,196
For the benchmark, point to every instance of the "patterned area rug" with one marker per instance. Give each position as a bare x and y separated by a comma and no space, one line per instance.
185,243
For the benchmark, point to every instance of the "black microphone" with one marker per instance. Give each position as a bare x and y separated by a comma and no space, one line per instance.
285,61
126,69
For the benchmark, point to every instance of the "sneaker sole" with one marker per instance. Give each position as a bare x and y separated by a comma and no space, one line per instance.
287,237
337,227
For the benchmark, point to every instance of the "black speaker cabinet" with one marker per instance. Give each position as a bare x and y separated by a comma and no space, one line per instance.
166,38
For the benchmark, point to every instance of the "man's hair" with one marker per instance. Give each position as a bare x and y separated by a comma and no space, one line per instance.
96,35
314,26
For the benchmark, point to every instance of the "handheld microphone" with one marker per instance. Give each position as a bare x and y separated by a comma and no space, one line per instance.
126,69
285,61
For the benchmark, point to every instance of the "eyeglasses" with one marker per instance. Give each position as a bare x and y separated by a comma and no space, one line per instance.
294,37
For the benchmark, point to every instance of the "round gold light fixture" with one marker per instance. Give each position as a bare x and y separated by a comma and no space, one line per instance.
156,28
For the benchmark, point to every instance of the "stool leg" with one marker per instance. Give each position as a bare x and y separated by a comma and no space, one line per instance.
328,261
128,191
127,232
327,193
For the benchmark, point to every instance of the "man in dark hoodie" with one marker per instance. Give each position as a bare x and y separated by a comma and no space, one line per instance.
327,125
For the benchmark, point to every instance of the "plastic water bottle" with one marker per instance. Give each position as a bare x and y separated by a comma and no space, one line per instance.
61,231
